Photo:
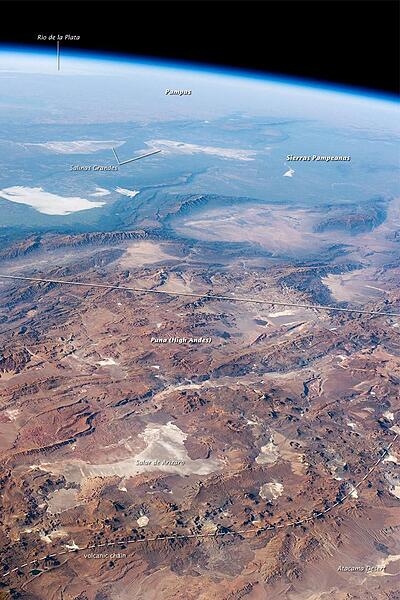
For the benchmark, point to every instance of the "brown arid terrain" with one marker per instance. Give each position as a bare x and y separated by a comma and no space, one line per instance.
156,445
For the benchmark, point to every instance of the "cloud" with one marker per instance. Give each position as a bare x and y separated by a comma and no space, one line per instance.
289,173
125,192
101,192
47,203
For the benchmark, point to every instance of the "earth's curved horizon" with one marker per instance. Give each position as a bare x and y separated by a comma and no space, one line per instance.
225,434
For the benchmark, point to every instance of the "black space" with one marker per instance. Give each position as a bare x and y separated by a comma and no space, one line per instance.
352,43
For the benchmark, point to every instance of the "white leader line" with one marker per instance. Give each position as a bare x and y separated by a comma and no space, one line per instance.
124,162
203,296
254,530
116,156
58,55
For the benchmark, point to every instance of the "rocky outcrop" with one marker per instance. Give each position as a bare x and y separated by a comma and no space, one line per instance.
14,361
354,221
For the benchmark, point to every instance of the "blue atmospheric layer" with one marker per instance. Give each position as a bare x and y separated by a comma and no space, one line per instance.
187,66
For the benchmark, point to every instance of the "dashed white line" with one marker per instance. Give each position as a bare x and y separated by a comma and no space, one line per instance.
203,296
253,530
